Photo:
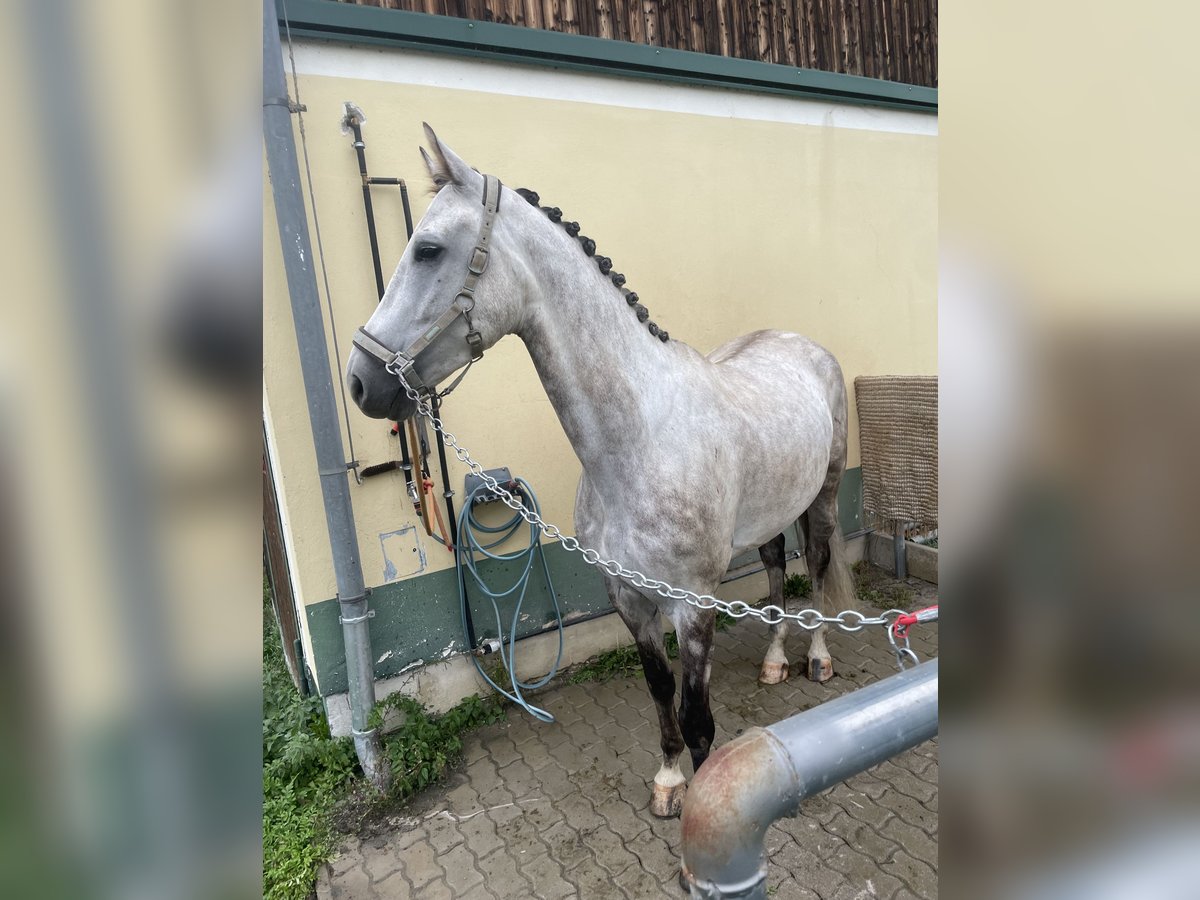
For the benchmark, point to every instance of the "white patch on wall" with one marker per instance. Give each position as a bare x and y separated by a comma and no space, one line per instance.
456,73
403,555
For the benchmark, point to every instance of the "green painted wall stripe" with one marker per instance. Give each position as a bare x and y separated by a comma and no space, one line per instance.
850,508
419,619
398,28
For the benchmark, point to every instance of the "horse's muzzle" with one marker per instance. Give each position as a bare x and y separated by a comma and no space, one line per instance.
375,391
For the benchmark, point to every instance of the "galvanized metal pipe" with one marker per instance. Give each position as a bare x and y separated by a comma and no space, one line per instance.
900,551
765,774
290,214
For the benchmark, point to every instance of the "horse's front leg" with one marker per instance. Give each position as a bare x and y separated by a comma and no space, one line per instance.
695,633
641,617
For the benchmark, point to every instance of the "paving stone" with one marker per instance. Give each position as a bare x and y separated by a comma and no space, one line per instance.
610,850
565,846
547,879
789,889
379,864
480,834
637,883
590,879
394,887
819,808
915,841
916,875
504,812
353,884
807,869
906,782
910,811
866,839
520,780
622,818
501,876
479,892
854,865
346,860
860,807
655,856
420,864
503,751
443,834
461,874
462,799
875,886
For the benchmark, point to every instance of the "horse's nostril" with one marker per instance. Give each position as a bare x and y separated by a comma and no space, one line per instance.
356,389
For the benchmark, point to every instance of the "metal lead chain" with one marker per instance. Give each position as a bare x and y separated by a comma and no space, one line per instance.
809,619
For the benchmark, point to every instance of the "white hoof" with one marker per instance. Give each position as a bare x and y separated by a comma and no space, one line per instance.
773,673
820,670
667,802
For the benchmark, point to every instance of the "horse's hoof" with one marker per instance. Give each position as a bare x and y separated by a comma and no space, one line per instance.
820,670
773,673
667,802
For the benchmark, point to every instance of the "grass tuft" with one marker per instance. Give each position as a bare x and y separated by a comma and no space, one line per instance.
874,586
797,585
312,785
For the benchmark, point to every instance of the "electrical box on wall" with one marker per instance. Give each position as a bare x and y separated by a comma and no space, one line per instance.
485,494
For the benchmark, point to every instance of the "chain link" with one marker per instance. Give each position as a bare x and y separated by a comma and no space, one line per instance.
809,619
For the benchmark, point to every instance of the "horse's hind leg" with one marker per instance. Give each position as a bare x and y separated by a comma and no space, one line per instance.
641,617
775,664
827,568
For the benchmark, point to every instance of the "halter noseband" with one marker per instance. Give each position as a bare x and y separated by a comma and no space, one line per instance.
404,362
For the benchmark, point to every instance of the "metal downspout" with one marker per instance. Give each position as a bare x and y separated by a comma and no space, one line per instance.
765,774
284,170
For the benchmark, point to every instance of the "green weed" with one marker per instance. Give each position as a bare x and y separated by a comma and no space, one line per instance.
310,778
797,585
303,771
877,588
426,745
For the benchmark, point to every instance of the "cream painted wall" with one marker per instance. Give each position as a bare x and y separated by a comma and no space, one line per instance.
726,212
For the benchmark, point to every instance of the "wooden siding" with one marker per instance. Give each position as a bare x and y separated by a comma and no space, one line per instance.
895,40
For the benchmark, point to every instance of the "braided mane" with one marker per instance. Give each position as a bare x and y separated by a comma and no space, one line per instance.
555,215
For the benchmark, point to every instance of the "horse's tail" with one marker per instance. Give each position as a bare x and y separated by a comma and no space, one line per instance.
838,588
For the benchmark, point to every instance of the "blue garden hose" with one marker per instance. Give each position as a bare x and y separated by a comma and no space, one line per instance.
473,538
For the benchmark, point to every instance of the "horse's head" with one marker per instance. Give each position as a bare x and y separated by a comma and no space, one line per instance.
433,301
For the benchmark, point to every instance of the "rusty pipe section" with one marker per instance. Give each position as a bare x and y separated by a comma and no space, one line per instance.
765,774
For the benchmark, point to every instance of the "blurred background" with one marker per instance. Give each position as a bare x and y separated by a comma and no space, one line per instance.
130,449
1069,336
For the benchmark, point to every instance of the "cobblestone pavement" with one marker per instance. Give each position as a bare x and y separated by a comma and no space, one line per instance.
560,810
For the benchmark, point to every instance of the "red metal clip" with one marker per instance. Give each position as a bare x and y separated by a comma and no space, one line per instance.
904,621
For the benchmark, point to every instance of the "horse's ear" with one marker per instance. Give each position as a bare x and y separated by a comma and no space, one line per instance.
445,167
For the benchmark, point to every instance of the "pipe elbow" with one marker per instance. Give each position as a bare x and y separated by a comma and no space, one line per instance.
741,789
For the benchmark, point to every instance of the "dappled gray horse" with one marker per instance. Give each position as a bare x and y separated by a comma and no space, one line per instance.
687,459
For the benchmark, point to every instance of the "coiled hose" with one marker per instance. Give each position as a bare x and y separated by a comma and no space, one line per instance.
476,542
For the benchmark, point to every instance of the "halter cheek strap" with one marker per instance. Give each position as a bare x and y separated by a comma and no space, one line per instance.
404,362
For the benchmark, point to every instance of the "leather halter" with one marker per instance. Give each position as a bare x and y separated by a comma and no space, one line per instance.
404,362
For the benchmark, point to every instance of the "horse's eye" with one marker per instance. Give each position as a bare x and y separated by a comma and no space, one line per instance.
428,251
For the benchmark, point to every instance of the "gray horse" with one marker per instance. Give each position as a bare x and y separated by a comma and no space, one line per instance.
687,459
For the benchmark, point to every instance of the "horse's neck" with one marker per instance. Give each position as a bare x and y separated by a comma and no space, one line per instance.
607,377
